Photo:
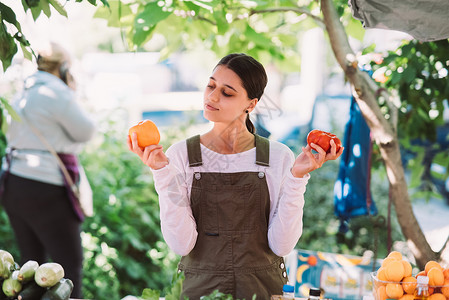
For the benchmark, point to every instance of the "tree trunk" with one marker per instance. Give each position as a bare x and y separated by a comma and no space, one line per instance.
383,132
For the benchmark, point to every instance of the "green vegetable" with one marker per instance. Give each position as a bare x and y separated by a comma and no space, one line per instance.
27,271
48,274
6,264
31,291
61,291
11,287
2,295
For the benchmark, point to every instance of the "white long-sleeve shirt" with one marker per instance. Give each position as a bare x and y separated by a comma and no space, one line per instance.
173,185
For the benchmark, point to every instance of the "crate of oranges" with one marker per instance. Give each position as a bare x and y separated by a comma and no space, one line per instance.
394,279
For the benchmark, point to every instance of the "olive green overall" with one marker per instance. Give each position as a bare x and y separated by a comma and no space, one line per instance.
231,253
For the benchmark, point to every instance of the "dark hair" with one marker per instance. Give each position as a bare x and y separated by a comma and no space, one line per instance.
252,74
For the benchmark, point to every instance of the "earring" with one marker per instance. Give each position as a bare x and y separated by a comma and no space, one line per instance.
246,111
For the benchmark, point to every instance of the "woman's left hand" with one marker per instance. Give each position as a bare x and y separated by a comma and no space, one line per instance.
307,161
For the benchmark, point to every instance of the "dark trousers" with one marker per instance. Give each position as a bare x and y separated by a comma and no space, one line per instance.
45,226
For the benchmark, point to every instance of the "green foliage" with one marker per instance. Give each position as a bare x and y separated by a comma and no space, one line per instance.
266,30
14,37
418,73
124,248
172,292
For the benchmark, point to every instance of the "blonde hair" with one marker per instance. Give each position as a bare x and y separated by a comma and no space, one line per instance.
51,56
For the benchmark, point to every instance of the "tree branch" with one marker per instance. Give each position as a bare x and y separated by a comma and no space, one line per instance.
382,131
201,18
298,10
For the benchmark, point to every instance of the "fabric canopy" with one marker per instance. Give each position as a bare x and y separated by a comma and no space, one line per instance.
425,20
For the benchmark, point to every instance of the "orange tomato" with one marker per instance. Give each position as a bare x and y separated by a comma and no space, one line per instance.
147,133
322,139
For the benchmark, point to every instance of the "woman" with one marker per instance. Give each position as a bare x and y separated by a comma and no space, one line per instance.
231,201
35,199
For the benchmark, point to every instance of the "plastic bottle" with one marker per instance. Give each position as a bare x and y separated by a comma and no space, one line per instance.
288,291
314,294
422,288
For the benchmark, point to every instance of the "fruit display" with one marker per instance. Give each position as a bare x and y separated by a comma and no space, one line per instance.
32,281
322,139
394,279
147,133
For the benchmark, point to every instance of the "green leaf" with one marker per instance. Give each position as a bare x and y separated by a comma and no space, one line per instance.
146,21
36,11
9,16
409,74
21,39
105,3
174,291
192,6
45,7
9,109
149,294
369,49
220,18
116,13
258,38
355,29
8,47
27,54
288,40
204,4
59,7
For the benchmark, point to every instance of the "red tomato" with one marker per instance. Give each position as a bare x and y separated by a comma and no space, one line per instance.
322,139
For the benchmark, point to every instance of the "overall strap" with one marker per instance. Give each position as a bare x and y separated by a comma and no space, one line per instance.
194,151
262,151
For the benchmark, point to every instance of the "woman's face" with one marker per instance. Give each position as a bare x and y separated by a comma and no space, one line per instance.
225,99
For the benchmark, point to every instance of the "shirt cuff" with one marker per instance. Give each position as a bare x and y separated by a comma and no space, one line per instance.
299,179
162,172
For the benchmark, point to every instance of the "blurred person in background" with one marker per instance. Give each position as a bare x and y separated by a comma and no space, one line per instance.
34,196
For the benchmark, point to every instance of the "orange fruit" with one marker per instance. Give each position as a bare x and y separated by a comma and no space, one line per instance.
381,274
381,293
437,296
147,133
422,273
394,271
407,268
409,284
431,290
445,288
436,276
394,290
312,260
388,260
446,273
395,254
407,297
430,264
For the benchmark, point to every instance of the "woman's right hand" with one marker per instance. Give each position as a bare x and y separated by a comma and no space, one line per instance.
153,155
